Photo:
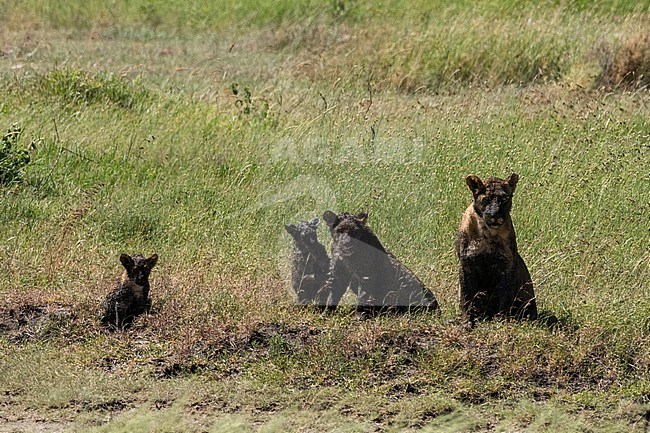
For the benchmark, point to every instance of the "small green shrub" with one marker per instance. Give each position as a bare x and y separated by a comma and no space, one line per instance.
78,87
12,159
248,105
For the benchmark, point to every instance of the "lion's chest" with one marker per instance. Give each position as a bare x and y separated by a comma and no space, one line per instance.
485,246
136,291
489,257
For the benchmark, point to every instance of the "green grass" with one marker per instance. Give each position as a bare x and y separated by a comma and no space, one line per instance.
163,128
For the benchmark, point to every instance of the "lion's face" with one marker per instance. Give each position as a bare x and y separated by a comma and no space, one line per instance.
138,267
492,198
305,232
349,232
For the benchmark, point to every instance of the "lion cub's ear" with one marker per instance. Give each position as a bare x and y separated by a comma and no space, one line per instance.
151,261
512,181
475,184
127,261
330,218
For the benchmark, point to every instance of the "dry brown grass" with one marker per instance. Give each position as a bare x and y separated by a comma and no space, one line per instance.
626,61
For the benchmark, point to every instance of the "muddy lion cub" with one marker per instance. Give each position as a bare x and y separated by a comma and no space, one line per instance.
310,263
359,261
494,280
131,296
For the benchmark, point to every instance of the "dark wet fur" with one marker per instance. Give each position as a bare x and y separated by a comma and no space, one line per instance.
130,297
494,280
359,261
309,261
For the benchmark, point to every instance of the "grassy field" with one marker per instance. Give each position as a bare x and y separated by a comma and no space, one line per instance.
197,132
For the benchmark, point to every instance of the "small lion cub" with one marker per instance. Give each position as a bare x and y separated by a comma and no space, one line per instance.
309,261
494,280
359,261
131,296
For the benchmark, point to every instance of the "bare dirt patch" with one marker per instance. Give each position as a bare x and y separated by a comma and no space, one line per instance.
29,321
30,426
252,342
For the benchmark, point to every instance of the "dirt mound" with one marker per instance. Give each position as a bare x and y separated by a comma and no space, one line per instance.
242,345
29,322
